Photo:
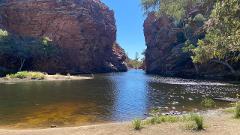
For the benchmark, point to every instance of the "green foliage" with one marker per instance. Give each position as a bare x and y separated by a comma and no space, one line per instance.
237,110
157,117
137,124
155,120
199,18
46,40
25,49
26,74
208,103
198,121
169,118
3,34
195,120
174,8
222,41
188,47
134,64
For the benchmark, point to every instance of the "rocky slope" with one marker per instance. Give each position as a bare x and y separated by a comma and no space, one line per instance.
164,48
165,55
84,30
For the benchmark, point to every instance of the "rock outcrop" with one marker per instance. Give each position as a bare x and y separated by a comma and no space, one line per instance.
164,53
84,30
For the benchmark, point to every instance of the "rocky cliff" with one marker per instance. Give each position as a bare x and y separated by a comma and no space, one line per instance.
84,30
165,55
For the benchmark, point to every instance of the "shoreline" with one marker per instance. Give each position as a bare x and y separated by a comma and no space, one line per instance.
217,121
47,78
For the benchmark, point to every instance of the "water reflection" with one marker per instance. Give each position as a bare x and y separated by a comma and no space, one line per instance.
131,98
108,97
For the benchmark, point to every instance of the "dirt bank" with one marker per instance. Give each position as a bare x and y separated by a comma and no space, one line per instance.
216,123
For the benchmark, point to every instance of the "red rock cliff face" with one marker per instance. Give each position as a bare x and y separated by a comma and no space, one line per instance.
84,29
165,56
164,53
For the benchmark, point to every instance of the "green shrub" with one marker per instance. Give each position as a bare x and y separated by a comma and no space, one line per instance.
25,74
237,110
137,124
19,75
3,34
37,75
198,120
155,120
208,103
190,125
169,118
194,121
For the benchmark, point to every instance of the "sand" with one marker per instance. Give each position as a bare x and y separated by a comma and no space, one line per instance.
216,123
47,78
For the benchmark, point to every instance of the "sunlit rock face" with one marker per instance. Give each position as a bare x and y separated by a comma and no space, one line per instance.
84,30
164,53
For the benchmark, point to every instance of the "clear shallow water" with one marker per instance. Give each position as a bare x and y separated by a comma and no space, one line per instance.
106,98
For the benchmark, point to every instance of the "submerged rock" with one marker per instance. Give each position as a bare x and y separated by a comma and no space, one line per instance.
53,126
84,30
227,99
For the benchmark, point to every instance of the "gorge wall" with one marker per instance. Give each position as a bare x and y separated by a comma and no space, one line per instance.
165,55
164,50
83,30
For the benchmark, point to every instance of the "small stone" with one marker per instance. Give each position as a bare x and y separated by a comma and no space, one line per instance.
175,103
53,126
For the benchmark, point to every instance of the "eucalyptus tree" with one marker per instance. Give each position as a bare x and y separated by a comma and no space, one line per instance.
222,41
173,8
221,25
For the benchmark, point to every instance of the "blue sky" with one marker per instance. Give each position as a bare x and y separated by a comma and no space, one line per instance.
129,20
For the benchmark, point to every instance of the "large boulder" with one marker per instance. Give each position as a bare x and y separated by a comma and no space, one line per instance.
84,30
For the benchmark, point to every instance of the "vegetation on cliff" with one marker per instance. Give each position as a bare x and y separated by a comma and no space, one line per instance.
222,41
210,29
174,8
21,51
84,32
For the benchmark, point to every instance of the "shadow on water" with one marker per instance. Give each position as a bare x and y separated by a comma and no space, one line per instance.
107,97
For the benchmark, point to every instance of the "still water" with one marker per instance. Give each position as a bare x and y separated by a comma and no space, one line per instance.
106,98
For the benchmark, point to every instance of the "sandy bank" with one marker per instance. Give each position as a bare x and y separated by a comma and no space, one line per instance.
216,122
47,78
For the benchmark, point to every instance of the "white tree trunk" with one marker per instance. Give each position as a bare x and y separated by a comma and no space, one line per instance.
22,64
225,64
